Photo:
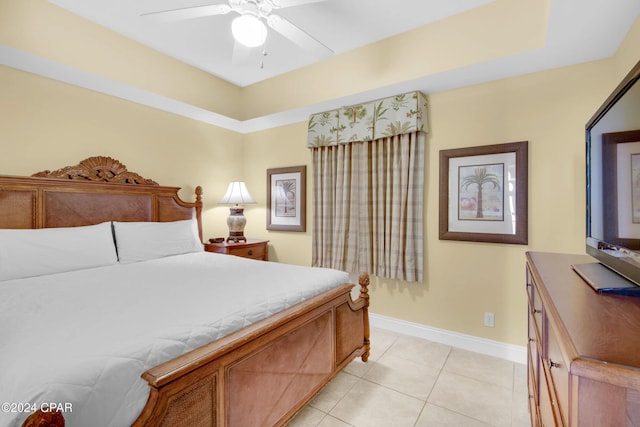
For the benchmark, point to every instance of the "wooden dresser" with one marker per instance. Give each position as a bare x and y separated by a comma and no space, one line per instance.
584,348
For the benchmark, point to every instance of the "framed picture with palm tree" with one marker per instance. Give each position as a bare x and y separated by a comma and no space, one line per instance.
483,193
286,201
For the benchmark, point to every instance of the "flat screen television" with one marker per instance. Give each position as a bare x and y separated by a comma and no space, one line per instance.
613,191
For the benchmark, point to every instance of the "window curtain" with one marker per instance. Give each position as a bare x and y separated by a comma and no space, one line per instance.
368,187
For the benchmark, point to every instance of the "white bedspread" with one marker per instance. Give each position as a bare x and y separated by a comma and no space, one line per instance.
85,337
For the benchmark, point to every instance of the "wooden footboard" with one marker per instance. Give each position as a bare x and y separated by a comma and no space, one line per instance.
261,375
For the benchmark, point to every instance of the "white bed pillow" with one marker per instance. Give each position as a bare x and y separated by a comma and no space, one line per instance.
37,252
142,241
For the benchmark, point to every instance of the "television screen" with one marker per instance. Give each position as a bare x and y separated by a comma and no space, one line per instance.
613,181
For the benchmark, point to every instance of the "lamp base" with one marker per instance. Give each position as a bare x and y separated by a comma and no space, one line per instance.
236,236
236,222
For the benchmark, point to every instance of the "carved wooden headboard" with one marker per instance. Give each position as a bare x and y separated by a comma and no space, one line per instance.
97,189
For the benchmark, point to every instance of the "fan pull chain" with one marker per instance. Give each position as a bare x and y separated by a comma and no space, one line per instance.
264,53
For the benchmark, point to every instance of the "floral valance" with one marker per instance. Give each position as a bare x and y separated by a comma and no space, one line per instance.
369,121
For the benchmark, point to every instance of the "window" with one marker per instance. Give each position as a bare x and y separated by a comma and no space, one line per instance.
368,193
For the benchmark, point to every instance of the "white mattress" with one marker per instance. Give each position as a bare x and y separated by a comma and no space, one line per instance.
85,337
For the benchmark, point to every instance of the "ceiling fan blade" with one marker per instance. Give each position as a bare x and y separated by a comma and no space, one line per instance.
189,12
289,3
299,36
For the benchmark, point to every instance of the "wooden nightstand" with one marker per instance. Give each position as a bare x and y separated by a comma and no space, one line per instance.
252,248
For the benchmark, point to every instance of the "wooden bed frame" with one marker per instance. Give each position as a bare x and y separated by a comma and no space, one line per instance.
260,375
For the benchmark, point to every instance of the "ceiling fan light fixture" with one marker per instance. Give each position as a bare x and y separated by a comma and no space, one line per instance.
249,30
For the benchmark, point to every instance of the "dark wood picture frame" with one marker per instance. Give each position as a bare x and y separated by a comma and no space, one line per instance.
613,200
451,162
286,198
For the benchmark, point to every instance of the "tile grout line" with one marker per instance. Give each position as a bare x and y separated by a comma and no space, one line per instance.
433,386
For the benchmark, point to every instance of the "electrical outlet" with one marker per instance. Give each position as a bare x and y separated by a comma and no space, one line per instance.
488,319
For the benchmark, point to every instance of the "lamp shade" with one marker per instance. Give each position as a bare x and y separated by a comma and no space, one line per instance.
249,30
237,193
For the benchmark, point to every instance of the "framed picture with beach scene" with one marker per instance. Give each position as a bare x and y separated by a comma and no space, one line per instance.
286,201
483,194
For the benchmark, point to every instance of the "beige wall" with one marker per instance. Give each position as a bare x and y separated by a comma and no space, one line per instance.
275,148
627,55
458,41
47,124
464,279
41,28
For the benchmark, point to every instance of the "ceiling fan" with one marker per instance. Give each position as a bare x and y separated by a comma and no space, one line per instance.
249,28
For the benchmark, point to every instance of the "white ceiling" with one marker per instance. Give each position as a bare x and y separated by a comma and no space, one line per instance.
341,25
206,42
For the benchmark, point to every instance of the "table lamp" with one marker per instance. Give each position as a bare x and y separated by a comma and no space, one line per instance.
236,193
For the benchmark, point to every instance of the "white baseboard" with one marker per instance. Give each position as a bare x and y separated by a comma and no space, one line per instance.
502,350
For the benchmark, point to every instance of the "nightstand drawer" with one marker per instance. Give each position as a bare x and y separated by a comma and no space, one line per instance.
254,251
252,248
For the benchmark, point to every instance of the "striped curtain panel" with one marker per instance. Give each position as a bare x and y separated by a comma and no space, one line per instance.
368,206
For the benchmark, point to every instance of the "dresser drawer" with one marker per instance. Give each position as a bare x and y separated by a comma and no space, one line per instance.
533,380
548,408
559,373
254,252
530,286
534,348
537,328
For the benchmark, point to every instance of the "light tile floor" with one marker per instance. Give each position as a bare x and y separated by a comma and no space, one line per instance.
413,382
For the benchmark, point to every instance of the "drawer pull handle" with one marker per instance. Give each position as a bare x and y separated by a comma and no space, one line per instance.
532,340
536,311
250,252
553,364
